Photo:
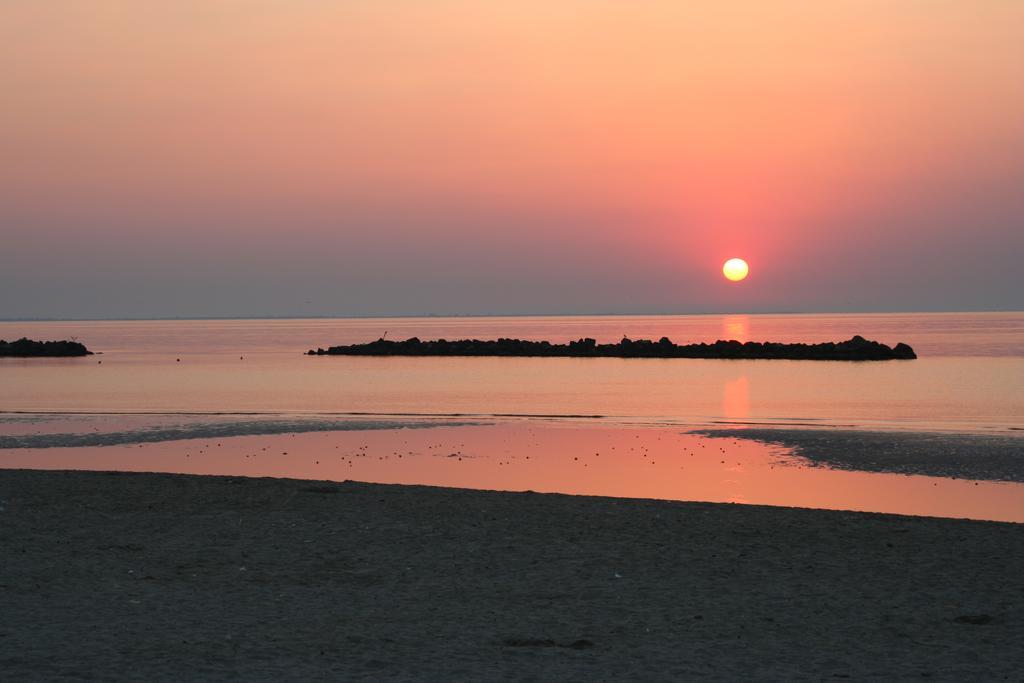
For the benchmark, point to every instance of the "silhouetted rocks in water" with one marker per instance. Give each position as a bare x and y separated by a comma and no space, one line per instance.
857,348
29,348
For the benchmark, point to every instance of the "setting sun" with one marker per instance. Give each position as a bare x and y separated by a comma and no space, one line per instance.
735,269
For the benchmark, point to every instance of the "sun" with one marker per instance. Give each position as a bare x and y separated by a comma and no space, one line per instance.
735,269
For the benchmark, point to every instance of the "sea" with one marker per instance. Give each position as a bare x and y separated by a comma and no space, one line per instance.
969,376
243,398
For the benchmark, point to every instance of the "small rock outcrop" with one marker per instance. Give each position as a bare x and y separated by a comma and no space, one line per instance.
29,348
858,348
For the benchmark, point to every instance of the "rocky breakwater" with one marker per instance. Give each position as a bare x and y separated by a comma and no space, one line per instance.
856,349
29,348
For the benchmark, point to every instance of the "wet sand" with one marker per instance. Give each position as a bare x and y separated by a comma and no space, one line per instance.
937,454
169,576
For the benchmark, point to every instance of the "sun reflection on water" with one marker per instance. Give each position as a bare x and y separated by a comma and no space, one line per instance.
736,327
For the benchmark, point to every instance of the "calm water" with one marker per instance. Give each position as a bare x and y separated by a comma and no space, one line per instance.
536,455
970,374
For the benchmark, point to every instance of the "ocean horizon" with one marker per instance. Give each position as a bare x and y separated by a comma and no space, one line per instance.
340,316
967,376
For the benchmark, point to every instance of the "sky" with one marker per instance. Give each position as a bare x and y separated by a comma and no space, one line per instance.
390,157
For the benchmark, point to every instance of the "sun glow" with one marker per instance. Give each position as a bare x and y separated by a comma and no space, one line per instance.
735,269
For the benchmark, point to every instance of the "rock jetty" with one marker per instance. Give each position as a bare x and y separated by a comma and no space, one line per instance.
29,348
857,348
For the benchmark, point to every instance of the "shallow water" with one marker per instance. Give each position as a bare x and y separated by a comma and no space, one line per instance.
537,455
968,378
239,397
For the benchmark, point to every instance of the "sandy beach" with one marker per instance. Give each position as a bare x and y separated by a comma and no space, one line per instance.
534,341
985,457
161,576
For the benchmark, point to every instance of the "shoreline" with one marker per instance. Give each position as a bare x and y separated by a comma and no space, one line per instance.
654,463
983,457
226,577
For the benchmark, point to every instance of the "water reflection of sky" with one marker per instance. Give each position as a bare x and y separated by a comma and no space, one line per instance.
736,327
258,366
551,457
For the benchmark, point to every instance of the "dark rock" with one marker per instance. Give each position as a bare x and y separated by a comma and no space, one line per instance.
904,351
28,348
858,348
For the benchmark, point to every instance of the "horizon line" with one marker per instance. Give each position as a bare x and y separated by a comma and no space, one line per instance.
483,315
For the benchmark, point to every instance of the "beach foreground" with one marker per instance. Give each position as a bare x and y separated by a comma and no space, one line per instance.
170,576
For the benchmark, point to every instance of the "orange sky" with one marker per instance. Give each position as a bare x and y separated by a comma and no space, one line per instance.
613,153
